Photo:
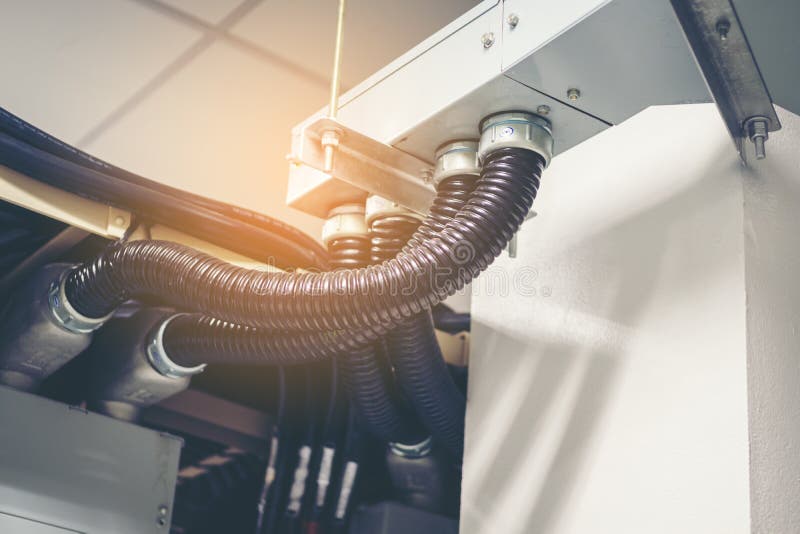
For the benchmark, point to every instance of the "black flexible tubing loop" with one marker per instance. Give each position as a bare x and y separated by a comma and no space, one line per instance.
369,300
365,371
389,234
30,151
419,366
453,193
422,373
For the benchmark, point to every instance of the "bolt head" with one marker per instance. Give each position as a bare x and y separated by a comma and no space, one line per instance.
723,27
573,94
487,39
513,20
544,109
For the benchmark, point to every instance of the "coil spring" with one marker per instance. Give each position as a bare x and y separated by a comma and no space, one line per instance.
389,234
349,252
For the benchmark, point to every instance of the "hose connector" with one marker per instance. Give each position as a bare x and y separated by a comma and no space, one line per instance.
456,158
160,360
516,129
67,317
379,208
414,450
343,221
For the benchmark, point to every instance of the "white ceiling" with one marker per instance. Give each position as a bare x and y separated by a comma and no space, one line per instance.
200,94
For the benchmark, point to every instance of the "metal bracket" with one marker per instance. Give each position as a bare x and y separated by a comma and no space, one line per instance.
375,167
723,54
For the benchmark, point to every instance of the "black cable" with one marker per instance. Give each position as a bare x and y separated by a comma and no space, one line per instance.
267,502
450,321
254,235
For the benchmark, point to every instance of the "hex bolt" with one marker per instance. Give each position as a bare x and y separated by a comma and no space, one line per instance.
426,175
756,129
573,94
544,109
723,27
487,39
513,20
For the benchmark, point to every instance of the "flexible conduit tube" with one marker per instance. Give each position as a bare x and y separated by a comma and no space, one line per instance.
370,300
419,366
365,371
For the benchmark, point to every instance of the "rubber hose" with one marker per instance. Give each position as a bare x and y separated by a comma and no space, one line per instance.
365,372
368,300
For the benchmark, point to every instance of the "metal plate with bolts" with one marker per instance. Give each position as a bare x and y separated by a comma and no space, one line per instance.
720,47
375,167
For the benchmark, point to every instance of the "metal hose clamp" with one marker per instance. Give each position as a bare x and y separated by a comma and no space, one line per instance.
516,129
344,221
456,158
158,358
415,450
64,315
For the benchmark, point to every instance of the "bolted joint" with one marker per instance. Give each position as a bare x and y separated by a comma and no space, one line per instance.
516,129
344,221
67,317
378,207
160,360
757,130
456,158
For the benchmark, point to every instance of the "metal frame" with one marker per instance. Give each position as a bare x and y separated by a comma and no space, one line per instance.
585,65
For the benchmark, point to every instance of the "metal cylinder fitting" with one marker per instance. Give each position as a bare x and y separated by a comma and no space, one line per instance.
379,207
456,158
344,221
40,331
129,368
516,129
414,450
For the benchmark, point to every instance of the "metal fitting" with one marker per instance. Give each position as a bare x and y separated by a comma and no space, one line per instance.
456,158
67,317
344,221
415,450
159,359
379,207
757,130
516,129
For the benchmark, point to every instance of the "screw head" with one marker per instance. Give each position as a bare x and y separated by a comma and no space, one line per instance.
513,20
427,176
544,109
723,27
487,39
573,94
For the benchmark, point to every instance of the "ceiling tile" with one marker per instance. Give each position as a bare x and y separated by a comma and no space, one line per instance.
212,11
67,65
376,32
220,128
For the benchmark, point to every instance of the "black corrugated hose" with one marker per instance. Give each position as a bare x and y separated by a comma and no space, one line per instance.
365,371
339,310
412,345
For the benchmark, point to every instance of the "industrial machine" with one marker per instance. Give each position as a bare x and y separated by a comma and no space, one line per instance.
172,363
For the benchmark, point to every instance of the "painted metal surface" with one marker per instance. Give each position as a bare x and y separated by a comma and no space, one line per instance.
81,471
608,370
